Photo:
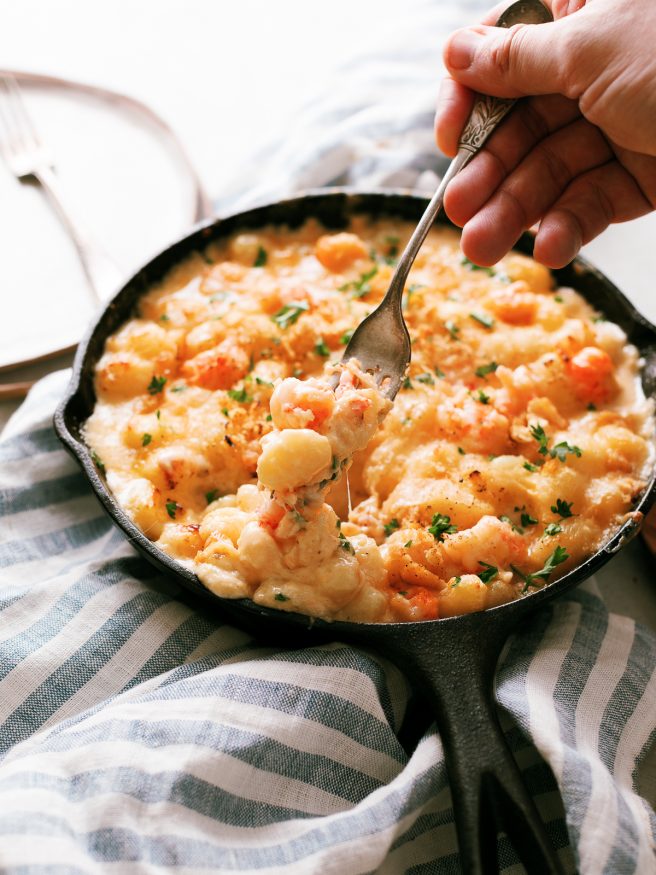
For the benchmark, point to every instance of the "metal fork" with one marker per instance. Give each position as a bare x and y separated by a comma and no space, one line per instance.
28,159
381,342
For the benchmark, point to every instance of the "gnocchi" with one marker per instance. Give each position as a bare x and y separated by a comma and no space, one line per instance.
518,443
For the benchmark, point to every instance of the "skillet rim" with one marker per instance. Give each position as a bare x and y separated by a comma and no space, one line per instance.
67,419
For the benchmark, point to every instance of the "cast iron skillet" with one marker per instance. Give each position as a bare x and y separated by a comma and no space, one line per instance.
450,661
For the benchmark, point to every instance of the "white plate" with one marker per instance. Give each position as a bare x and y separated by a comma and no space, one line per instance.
125,187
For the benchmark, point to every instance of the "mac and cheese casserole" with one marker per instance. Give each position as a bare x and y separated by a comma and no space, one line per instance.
231,435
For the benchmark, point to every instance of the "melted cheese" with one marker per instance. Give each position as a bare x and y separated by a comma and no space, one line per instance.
517,445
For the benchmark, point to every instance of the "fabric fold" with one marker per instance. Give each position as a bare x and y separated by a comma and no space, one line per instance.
140,732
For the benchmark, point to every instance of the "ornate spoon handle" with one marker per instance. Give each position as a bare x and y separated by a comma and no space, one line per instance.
485,116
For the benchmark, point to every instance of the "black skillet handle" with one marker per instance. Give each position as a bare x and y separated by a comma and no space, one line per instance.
453,665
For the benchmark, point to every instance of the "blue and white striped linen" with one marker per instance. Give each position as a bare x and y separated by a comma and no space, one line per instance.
139,734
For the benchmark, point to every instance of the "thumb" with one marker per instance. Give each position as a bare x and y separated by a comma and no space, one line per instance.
524,59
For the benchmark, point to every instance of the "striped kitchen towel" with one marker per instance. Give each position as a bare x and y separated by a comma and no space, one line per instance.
140,734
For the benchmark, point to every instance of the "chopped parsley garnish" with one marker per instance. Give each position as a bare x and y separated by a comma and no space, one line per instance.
452,328
346,545
531,468
346,337
558,556
486,369
98,462
212,495
156,385
425,378
299,519
225,412
261,257
407,383
483,319
281,597
553,529
541,437
559,299
360,287
172,508
527,520
456,581
392,245
441,525
439,373
561,450
390,527
471,266
261,382
482,397
408,544
239,395
489,573
146,439
461,451
164,318
321,349
268,417
178,388
289,314
513,526
562,508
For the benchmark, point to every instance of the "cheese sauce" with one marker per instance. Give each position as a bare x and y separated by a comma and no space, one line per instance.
519,442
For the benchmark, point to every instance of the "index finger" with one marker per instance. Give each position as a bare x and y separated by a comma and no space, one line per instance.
455,101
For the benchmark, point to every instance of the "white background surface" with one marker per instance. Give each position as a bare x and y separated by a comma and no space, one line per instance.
228,77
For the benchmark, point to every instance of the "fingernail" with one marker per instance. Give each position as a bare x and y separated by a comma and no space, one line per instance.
462,48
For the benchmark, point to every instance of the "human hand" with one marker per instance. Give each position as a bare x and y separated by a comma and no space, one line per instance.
580,152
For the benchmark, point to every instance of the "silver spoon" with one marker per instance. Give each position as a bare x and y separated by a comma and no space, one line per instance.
381,342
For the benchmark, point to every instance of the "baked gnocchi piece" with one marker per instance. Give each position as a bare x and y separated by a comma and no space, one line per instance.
292,458
217,368
337,252
518,443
